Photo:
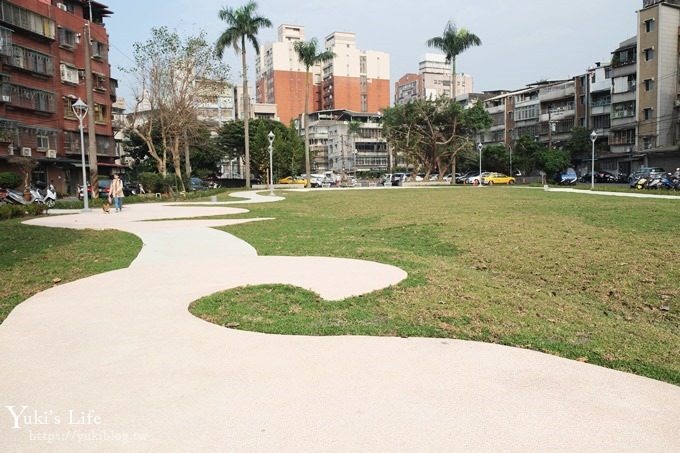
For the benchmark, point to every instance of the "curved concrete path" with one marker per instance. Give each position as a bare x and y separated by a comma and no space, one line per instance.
115,362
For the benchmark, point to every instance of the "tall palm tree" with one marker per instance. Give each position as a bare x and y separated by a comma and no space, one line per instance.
243,23
453,42
309,56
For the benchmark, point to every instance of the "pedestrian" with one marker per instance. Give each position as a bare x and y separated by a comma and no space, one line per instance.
116,192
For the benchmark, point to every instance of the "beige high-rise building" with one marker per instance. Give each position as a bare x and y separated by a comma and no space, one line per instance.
355,80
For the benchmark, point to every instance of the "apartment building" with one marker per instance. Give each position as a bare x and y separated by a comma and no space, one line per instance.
334,148
623,131
280,76
355,80
432,81
42,74
658,92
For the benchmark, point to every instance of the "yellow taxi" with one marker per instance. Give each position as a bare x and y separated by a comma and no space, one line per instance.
291,180
497,178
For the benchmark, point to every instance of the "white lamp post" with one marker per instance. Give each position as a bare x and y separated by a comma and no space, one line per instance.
80,110
593,137
271,136
479,148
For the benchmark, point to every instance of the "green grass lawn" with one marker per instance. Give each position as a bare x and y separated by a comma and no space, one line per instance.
585,277
589,278
34,258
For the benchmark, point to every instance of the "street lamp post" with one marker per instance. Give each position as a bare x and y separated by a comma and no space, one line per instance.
80,110
271,136
593,137
479,148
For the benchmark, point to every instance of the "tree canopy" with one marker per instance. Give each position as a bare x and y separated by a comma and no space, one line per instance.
431,133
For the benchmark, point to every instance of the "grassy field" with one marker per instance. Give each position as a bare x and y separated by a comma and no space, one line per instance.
33,258
589,278
585,277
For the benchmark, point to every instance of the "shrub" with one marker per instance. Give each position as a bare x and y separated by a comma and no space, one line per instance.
10,180
11,211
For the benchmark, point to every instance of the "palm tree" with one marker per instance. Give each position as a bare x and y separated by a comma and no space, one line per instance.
453,42
308,55
243,23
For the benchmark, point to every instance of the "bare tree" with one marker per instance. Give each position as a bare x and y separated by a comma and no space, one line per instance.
175,75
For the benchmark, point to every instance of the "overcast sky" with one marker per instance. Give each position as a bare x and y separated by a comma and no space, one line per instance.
523,41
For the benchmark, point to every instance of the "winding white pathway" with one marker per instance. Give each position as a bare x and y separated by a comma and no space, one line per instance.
115,362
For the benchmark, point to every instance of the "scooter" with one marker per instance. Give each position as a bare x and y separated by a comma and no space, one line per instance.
50,196
10,196
36,196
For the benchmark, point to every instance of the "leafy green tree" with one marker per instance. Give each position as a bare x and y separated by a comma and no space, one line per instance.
496,158
309,56
579,144
453,42
524,154
287,146
552,161
431,133
243,24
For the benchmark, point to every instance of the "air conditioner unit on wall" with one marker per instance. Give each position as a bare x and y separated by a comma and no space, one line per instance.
51,153
62,6
26,152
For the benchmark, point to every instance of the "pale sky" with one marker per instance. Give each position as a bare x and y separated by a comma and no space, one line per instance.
523,41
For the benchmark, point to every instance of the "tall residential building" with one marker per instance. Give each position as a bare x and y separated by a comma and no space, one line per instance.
42,73
356,80
432,81
280,77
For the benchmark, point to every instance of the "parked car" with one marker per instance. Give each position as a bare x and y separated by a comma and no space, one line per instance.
497,178
293,180
476,178
398,178
601,176
462,178
104,188
197,184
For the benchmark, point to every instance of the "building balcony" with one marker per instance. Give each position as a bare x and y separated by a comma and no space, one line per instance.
566,90
601,110
557,115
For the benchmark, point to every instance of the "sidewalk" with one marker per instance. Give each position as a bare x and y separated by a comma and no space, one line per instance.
115,362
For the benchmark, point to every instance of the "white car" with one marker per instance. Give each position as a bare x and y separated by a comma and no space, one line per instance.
476,179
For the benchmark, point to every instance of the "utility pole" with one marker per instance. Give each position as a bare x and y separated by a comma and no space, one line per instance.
91,126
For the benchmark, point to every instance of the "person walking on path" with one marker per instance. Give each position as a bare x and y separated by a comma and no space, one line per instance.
117,192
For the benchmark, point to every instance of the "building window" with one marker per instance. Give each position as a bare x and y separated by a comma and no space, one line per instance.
649,84
68,107
649,25
649,54
43,140
648,114
100,113
98,50
67,38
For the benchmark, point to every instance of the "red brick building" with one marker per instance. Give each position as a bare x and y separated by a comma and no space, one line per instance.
42,73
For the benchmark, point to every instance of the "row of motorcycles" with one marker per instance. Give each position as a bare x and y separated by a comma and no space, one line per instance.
47,196
668,181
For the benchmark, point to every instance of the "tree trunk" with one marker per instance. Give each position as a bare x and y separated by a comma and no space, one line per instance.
246,112
307,159
187,157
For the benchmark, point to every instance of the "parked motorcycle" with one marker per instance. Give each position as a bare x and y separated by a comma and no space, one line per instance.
10,196
49,196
